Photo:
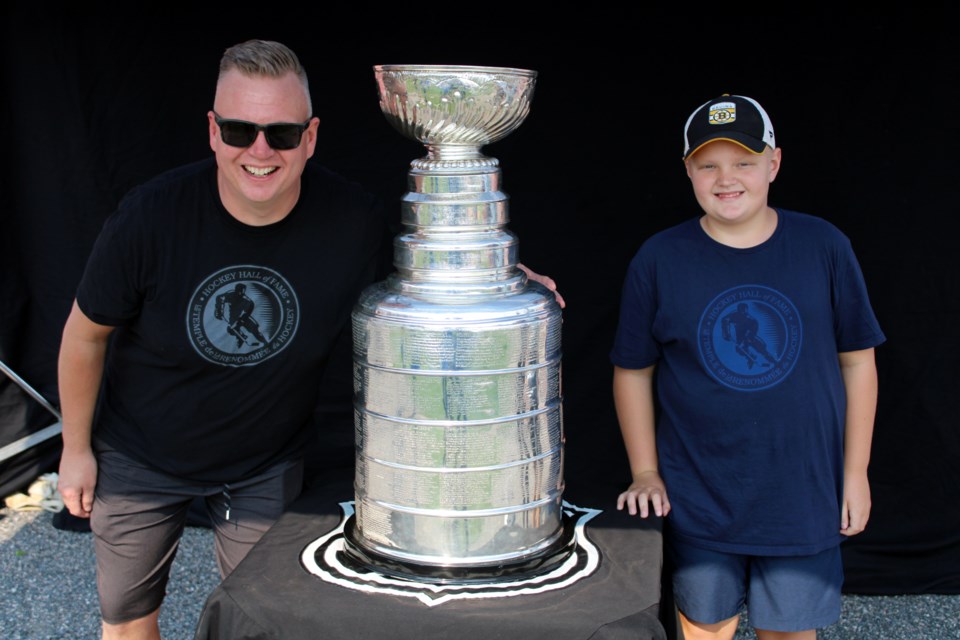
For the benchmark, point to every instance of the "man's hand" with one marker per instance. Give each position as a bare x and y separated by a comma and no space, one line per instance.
546,281
647,488
78,477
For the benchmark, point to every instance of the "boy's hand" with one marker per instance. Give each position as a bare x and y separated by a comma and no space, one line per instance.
647,488
855,510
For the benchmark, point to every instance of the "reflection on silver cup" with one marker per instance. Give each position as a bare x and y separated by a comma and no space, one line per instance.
456,356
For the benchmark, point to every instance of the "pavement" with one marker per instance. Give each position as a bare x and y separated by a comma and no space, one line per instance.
48,591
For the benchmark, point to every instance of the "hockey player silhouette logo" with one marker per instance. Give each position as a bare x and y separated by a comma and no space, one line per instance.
750,337
236,309
242,315
741,328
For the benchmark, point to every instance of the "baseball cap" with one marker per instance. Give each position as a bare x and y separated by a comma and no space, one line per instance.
735,118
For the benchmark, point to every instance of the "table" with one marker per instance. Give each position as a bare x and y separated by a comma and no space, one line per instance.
272,595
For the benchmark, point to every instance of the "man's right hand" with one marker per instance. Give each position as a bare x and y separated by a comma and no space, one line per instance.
78,478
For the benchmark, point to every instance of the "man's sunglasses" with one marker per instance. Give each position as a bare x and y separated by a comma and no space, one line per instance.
280,135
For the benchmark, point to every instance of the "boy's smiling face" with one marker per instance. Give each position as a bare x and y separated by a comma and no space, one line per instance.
731,184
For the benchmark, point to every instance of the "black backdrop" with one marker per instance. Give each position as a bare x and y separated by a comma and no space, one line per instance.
865,110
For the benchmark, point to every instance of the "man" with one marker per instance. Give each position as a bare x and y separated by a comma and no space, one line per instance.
186,410
256,242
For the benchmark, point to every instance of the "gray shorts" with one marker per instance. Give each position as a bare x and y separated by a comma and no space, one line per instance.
139,514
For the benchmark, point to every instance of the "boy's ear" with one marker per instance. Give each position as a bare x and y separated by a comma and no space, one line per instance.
775,164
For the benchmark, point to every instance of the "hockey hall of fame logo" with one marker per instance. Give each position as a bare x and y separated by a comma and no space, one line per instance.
242,315
750,337
324,558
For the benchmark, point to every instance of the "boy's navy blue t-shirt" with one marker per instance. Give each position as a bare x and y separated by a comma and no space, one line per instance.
751,398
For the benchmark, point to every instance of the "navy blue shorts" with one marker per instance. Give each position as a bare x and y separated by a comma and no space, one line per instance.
781,593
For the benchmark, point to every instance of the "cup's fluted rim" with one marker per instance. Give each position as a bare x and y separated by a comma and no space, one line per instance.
453,68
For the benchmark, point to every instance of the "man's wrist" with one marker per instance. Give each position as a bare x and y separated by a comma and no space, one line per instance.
76,445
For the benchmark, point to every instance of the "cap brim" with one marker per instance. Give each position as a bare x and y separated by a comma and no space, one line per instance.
749,143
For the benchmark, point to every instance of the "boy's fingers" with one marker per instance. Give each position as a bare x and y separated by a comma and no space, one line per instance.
627,498
640,501
657,501
620,501
644,504
852,522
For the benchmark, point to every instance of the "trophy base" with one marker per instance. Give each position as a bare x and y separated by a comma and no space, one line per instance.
361,558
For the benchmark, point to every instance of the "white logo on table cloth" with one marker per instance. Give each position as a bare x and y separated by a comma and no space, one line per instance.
242,315
322,558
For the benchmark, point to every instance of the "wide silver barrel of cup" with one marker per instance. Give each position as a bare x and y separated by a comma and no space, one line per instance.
459,428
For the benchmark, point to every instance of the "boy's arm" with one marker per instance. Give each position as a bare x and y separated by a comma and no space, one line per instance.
633,396
82,354
859,371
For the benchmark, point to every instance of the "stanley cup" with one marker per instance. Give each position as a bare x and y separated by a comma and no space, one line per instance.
459,469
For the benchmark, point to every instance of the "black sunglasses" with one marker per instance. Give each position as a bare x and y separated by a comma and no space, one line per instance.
280,135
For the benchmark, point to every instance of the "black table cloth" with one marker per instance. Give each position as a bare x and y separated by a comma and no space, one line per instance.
272,595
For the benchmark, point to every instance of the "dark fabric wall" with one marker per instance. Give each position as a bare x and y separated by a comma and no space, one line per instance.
864,111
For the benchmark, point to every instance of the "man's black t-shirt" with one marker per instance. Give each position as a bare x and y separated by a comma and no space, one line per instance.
223,328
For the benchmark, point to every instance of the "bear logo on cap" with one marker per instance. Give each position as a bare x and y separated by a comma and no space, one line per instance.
722,113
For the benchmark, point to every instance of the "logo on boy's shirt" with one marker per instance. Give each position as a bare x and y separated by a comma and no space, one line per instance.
242,315
722,113
750,337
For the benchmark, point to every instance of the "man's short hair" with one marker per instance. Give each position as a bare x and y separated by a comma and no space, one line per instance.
265,58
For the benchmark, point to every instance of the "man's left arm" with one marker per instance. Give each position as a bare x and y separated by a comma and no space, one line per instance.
859,370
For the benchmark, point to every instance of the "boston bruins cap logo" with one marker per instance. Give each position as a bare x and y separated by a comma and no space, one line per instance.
722,113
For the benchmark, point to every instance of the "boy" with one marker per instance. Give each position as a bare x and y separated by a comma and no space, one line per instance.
758,325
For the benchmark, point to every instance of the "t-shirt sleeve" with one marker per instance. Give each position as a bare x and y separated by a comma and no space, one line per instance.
634,346
112,287
856,326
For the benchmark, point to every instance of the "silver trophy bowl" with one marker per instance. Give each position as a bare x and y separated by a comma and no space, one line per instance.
459,429
454,110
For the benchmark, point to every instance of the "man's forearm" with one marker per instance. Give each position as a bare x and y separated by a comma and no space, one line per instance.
82,354
80,370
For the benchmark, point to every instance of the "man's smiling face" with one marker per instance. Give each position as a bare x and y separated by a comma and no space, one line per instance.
258,184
